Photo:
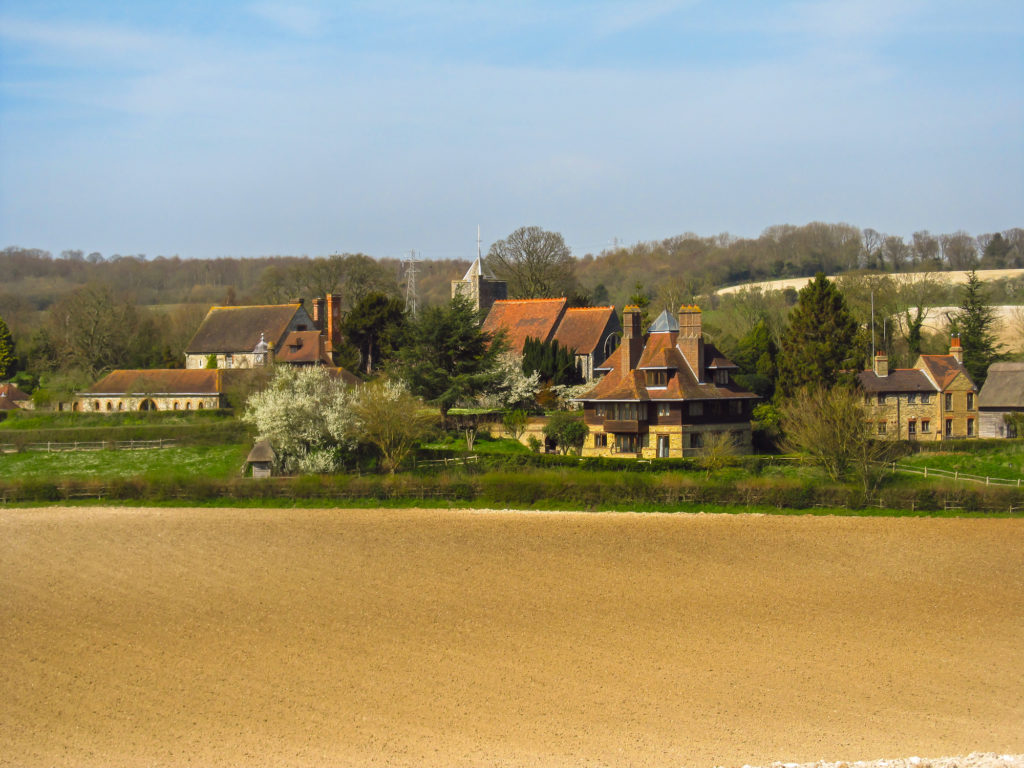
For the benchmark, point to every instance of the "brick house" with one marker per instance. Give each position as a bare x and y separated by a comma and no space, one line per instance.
664,392
934,400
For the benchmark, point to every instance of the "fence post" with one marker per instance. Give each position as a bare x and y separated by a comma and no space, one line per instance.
956,474
926,471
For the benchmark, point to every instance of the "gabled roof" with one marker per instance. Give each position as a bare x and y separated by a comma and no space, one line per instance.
10,394
1004,386
238,329
520,318
186,381
300,347
682,384
943,369
898,380
584,328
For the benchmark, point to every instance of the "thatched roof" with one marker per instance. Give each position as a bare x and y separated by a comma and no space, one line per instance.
239,329
261,453
1004,387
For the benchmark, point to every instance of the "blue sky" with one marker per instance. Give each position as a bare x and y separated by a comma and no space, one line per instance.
252,128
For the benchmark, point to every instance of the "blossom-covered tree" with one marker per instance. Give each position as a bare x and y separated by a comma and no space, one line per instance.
306,415
390,418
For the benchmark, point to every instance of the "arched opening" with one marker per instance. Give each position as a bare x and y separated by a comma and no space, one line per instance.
188,406
200,406
120,406
147,405
110,406
175,406
95,405
75,407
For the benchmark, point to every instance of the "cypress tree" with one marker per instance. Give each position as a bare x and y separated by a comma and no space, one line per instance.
820,340
7,358
974,323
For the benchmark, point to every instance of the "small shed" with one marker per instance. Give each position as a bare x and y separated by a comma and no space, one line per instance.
261,459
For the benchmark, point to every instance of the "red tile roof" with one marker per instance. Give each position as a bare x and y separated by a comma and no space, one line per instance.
585,328
10,396
301,347
520,318
192,381
943,369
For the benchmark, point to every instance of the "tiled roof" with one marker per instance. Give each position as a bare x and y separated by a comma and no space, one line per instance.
1004,386
585,328
682,385
520,318
943,368
300,347
340,373
898,380
10,393
191,381
238,329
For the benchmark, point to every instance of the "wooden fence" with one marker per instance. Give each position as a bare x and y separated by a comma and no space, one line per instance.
80,445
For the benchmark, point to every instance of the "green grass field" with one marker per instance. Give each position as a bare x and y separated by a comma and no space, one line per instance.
218,461
1004,459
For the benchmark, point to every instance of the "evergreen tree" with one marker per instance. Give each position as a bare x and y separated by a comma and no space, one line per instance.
556,364
756,355
974,322
7,358
820,341
373,327
446,356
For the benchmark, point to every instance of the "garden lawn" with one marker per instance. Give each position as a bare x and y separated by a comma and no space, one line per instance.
196,461
1005,461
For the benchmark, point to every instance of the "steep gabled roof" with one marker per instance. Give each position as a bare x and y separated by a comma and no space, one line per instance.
189,381
665,323
300,347
238,329
520,318
942,369
10,396
477,269
1004,386
584,328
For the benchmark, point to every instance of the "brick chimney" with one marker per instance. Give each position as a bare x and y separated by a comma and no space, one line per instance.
333,322
318,314
632,338
955,349
881,365
691,338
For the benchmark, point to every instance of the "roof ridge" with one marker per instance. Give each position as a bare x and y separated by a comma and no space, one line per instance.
255,306
523,301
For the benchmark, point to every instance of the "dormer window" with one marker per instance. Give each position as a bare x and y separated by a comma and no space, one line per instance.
721,377
657,378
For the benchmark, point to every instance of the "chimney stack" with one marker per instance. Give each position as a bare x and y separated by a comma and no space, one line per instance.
881,365
691,338
632,337
318,314
333,322
955,349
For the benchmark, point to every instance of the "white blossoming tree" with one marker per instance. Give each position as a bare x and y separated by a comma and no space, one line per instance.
515,388
307,417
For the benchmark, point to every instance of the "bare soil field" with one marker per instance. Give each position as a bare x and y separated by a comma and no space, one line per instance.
211,637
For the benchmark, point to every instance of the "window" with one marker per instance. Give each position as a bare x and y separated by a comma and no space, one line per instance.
601,440
881,427
627,443
949,427
626,412
926,426
970,427
664,409
696,440
696,409
600,411
657,378
970,401
867,399
881,398
229,360
925,398
911,399
736,407
721,377
911,428
949,402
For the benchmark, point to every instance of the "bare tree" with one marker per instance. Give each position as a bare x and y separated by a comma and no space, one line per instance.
896,252
536,263
960,250
924,247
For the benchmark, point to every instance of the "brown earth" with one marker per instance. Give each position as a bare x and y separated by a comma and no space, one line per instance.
167,637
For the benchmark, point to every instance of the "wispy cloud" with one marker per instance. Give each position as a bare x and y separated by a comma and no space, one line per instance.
299,19
78,37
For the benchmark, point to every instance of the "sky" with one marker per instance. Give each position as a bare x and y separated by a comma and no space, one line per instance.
386,126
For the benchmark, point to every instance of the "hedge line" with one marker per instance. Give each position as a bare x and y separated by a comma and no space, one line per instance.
214,433
539,488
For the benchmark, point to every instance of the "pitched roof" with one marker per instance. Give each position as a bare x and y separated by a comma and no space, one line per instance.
1004,386
300,347
682,385
477,269
520,318
10,393
261,452
942,368
665,323
584,328
186,381
238,329
898,380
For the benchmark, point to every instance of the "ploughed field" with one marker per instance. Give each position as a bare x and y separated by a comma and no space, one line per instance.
213,637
